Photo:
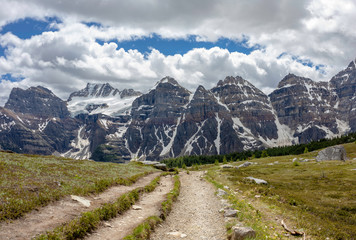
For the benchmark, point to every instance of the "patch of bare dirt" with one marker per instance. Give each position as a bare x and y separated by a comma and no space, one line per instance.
195,215
124,224
57,213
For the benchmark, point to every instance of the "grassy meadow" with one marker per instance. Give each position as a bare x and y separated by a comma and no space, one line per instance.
318,198
30,181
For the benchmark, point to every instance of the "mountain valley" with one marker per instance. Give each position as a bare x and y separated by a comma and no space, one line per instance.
108,124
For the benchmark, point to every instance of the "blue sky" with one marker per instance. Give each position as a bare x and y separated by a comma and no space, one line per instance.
180,46
63,45
28,27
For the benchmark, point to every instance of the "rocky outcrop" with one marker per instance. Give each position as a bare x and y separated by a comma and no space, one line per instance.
304,106
155,116
248,104
332,153
38,101
95,90
343,85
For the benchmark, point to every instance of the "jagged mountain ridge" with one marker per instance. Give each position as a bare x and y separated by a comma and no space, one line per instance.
171,121
101,99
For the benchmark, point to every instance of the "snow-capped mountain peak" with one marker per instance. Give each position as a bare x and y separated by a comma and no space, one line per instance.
101,98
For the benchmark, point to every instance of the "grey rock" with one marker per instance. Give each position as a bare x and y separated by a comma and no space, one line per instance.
240,233
226,166
221,192
257,180
332,153
150,162
161,166
245,164
81,200
230,213
136,207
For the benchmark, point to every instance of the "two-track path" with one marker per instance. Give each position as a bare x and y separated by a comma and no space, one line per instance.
195,215
59,212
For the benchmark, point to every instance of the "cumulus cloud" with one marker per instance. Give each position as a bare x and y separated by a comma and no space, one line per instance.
289,32
66,60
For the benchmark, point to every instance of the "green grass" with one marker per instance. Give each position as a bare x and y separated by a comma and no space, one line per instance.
30,181
319,198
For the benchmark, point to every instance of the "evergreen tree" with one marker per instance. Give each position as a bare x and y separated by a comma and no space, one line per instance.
224,160
264,154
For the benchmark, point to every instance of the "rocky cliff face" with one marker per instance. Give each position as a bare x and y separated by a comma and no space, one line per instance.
343,85
170,121
37,101
155,117
305,107
250,110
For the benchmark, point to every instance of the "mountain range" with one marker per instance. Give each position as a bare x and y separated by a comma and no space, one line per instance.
108,124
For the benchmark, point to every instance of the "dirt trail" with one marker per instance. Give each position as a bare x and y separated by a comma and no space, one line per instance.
195,215
123,225
53,215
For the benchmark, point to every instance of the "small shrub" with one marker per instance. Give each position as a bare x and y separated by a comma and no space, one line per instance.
195,167
296,164
264,154
224,160
216,162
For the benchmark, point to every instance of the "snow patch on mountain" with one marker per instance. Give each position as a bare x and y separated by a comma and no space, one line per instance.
80,146
111,106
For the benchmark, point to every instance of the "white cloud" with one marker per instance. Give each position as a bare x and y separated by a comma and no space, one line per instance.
320,31
64,62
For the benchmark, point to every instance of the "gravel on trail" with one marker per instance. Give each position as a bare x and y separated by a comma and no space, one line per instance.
195,215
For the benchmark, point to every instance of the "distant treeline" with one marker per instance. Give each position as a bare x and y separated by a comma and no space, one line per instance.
276,151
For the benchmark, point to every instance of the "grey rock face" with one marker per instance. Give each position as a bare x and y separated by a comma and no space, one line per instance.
97,90
304,106
25,133
206,127
332,153
240,233
155,116
129,93
344,86
249,104
38,101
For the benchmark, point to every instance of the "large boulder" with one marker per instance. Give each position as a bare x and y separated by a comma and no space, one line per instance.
332,153
240,233
256,180
246,164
